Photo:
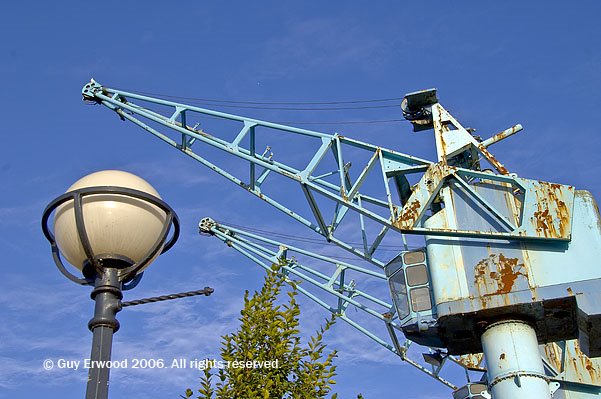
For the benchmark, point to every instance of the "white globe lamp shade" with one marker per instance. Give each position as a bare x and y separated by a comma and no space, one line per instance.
119,228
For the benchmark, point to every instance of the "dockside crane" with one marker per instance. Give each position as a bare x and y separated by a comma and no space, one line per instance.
507,269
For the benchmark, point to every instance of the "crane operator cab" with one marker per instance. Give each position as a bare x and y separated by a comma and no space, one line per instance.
409,283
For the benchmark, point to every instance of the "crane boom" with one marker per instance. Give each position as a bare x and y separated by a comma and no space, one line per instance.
338,287
535,220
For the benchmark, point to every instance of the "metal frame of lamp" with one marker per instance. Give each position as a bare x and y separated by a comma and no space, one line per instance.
95,263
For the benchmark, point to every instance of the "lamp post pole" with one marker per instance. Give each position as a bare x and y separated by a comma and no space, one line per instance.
110,225
107,295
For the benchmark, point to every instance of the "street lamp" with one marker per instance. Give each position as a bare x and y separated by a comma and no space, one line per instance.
110,225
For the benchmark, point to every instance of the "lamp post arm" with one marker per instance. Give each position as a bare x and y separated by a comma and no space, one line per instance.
206,291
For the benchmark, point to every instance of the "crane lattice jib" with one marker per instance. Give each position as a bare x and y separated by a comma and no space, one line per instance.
544,212
336,291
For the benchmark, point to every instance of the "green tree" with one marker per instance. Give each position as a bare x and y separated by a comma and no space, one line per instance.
269,332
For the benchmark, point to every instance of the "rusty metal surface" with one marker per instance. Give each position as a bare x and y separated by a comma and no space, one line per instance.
493,161
553,214
497,274
502,135
552,353
452,139
499,267
473,361
481,280
422,196
571,363
550,265
533,208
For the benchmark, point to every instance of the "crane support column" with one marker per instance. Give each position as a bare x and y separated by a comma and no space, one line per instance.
515,368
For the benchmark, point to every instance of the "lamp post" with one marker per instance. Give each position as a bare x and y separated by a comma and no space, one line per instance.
110,225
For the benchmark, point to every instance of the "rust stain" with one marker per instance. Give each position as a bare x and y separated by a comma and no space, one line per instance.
563,213
586,364
513,202
498,165
197,131
553,213
497,137
544,222
472,361
290,175
553,355
531,281
564,217
428,185
443,145
499,269
409,213
343,194
508,272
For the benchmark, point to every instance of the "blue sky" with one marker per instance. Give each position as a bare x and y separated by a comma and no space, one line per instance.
534,63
